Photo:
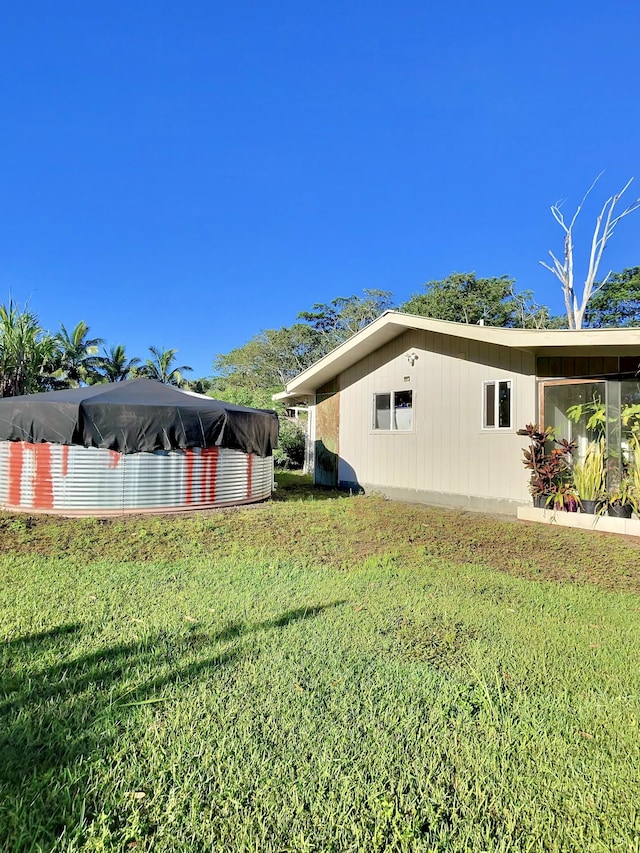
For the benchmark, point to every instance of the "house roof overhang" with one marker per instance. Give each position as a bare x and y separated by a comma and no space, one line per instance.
391,324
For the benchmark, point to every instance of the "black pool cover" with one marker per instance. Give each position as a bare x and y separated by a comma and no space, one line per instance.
135,416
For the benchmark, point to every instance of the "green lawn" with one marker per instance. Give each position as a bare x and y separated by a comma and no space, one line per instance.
319,673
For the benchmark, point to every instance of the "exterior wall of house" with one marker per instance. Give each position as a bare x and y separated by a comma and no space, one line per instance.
327,434
447,458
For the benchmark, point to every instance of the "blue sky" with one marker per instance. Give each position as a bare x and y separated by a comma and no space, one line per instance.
187,174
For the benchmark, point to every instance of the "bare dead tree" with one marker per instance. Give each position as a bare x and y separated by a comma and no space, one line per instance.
605,225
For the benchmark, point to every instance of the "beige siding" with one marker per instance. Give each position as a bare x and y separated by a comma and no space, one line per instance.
448,452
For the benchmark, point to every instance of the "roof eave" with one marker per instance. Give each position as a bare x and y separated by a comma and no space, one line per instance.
391,324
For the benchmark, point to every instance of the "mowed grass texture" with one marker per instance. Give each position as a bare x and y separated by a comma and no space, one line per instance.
317,674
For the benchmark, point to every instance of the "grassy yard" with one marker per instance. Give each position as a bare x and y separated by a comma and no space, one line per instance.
318,673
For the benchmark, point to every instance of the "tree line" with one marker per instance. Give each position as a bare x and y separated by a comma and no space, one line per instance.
251,373
32,359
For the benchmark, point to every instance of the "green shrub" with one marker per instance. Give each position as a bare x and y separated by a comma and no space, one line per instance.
291,445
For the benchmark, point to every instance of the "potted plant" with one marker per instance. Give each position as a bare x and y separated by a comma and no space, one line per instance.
550,469
589,476
622,499
565,498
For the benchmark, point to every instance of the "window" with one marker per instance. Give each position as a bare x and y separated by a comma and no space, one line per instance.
497,405
393,411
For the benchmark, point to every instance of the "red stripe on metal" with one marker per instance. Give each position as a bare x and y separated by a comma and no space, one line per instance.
65,460
249,473
209,462
204,472
16,454
114,459
42,478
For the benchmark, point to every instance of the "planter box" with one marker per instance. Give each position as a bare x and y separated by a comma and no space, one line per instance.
581,520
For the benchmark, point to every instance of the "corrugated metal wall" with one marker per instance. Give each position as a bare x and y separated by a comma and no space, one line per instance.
93,481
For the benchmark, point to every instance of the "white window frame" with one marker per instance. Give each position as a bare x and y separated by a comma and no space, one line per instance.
496,405
392,410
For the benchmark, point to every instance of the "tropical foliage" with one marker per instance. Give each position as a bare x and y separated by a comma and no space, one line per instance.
160,367
343,317
616,302
549,460
465,298
252,372
589,473
76,355
114,366
32,359
291,444
27,353
267,362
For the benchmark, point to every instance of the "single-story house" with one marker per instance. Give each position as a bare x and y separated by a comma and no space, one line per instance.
428,410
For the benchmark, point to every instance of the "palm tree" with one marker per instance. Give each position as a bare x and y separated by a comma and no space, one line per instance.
77,355
160,367
113,365
27,353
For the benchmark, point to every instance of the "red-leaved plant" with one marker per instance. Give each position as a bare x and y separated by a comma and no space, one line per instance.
549,460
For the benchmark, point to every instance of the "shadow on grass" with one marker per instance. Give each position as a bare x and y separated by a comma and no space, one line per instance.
300,487
63,709
43,636
236,629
